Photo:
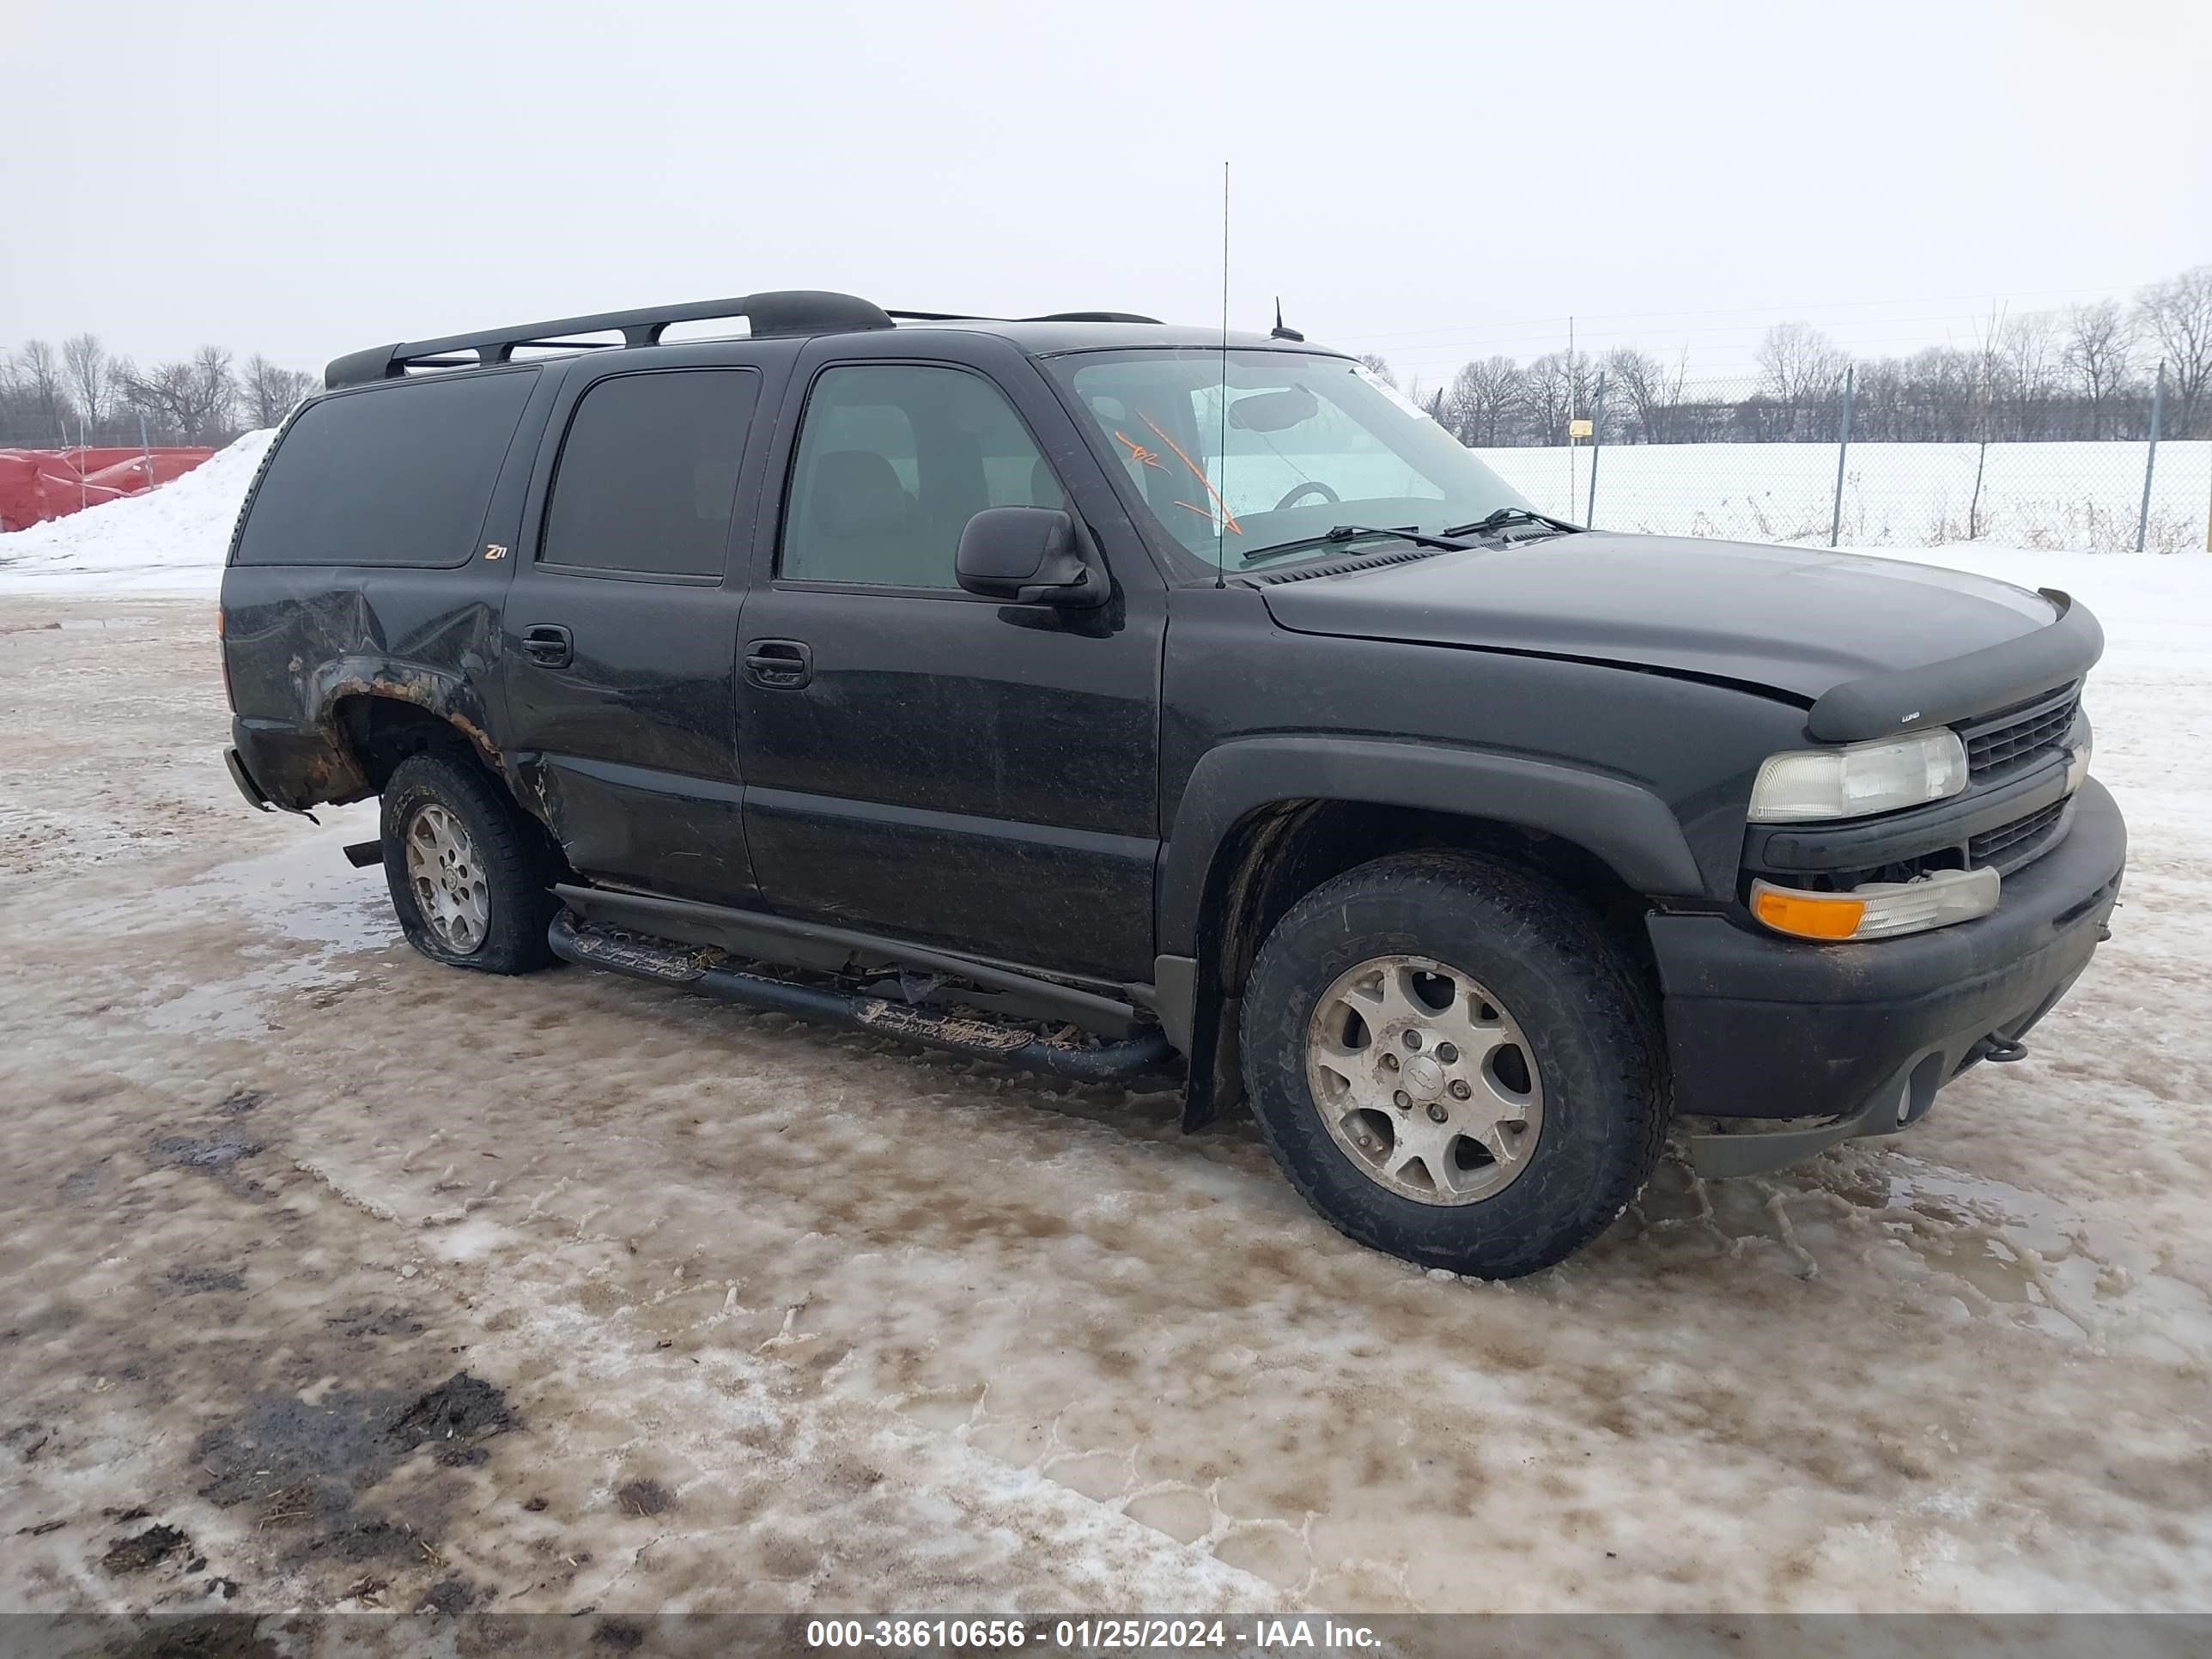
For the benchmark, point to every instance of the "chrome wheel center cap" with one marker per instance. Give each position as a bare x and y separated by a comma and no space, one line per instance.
1423,1078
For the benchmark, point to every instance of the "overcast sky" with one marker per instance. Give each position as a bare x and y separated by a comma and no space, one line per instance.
1427,180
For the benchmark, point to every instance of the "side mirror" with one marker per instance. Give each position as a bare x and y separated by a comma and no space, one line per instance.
1027,555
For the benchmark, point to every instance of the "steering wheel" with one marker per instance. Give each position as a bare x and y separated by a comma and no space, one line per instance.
1308,488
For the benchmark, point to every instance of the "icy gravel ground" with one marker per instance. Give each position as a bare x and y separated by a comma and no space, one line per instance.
773,1318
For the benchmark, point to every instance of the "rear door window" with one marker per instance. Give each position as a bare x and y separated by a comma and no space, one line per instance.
648,478
395,475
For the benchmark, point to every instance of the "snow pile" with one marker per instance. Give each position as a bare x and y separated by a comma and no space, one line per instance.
170,540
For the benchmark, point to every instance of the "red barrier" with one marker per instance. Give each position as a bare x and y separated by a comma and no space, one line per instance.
36,485
129,474
23,498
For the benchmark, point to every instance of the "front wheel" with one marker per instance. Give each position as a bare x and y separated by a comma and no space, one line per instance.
1453,1062
469,880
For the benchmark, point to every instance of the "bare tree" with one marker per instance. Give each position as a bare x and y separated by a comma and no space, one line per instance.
2029,349
1378,367
39,373
1801,368
88,372
1554,385
195,398
270,392
1481,397
218,389
2098,353
1643,385
2177,315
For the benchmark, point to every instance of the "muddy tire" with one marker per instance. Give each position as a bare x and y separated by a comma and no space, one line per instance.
469,880
1454,1063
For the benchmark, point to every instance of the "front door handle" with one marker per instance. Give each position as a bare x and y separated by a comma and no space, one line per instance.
549,646
779,664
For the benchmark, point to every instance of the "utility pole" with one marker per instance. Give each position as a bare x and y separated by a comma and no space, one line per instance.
1843,449
1571,415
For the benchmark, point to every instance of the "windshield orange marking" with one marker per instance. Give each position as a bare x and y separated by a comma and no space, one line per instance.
1138,453
1228,520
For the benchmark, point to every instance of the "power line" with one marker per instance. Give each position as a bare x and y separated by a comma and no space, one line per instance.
1557,319
1480,341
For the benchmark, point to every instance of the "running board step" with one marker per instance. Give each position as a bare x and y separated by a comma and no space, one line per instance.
642,956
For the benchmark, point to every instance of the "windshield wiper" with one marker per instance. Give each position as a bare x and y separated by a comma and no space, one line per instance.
1352,533
1513,516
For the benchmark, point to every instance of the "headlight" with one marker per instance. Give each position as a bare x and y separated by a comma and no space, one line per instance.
1859,778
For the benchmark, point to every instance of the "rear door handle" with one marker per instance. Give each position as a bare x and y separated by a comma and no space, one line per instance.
548,645
779,664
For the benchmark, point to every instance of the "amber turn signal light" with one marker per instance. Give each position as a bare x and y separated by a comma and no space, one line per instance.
1809,915
1878,909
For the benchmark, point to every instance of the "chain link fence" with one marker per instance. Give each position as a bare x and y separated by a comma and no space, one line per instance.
1843,488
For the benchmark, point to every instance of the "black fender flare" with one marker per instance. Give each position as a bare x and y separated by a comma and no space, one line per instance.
1634,832
1622,822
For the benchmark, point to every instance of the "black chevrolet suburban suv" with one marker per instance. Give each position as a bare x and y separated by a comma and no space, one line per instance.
1117,701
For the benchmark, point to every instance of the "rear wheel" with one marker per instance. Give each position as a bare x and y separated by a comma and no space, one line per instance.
1453,1062
469,880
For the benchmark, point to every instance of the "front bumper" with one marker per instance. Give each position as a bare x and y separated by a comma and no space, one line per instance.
1759,1026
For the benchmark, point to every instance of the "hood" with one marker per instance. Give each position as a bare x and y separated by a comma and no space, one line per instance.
1795,620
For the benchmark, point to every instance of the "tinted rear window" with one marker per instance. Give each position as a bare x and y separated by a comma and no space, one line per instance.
400,474
648,475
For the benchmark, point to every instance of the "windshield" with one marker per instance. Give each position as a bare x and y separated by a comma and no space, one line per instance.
1313,443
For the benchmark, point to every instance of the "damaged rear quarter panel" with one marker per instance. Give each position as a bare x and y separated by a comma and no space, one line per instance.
298,640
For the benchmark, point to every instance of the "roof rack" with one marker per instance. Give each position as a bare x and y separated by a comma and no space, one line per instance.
1049,316
1091,317
781,312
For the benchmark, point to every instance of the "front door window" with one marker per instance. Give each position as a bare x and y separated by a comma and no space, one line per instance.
893,461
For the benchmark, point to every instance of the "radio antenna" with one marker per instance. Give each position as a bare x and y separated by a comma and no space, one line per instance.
1221,453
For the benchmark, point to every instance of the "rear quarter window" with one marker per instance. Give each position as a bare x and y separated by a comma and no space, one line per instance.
394,475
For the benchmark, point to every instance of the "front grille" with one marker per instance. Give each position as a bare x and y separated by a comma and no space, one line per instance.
2011,840
2018,734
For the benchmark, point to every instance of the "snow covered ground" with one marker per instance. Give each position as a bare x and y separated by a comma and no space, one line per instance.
752,1316
2084,497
